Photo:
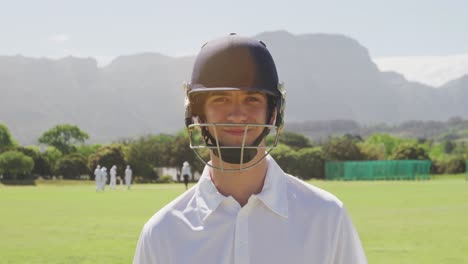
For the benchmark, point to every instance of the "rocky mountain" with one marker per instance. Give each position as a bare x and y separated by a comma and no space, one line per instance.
327,77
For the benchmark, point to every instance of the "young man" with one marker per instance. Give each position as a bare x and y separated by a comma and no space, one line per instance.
244,209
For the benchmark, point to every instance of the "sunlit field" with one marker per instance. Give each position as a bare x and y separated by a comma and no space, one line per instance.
68,222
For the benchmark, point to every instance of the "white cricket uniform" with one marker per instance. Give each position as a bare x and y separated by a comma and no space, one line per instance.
113,178
289,221
128,177
103,178
186,170
97,178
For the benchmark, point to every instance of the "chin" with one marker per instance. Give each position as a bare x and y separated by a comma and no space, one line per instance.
236,143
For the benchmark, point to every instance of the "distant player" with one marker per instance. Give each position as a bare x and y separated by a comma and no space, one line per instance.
113,177
97,178
128,177
103,178
186,173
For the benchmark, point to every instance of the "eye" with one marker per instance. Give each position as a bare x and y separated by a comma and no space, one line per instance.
254,99
219,99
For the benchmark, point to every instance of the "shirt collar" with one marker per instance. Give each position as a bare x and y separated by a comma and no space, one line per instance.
207,196
273,193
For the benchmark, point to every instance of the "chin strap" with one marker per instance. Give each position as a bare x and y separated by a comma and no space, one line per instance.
233,155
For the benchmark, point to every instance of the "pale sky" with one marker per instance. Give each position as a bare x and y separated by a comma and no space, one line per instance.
105,29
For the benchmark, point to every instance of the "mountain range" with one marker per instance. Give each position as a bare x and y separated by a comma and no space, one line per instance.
327,77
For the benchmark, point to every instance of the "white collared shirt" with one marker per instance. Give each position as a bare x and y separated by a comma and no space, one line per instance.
289,221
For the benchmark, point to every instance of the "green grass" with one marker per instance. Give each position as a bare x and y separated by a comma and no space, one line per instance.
409,221
68,222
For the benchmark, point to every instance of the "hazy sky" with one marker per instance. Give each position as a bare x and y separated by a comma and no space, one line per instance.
104,29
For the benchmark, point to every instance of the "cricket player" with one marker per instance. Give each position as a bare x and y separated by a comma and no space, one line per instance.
97,177
103,178
186,173
128,177
244,208
113,177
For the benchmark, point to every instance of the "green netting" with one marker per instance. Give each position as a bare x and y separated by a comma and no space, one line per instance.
466,169
378,170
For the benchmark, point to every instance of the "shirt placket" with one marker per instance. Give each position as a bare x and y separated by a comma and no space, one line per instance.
241,238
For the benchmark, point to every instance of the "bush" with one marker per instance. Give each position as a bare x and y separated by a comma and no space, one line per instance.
165,179
438,167
294,140
42,165
372,151
455,165
286,158
342,149
52,155
409,151
71,166
310,163
14,165
145,171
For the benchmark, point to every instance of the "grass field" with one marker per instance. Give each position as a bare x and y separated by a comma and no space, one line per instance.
68,222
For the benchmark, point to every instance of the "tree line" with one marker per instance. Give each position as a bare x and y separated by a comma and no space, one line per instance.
63,152
455,128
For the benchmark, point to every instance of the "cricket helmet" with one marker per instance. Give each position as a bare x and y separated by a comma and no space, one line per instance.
233,63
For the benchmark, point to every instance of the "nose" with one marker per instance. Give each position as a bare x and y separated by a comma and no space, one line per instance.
237,113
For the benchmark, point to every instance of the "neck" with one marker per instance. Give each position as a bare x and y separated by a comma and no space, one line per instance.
239,184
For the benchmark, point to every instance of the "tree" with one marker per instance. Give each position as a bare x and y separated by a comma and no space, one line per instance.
6,140
449,146
455,165
87,150
141,156
108,156
14,164
388,141
161,150
42,166
371,151
52,155
342,149
436,152
310,163
71,166
461,149
286,157
409,151
295,140
64,137
181,152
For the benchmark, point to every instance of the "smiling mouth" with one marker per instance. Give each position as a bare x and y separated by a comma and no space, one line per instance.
237,132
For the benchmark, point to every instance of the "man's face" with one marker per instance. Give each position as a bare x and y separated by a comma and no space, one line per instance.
236,107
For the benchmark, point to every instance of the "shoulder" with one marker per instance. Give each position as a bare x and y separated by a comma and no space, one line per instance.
311,198
160,224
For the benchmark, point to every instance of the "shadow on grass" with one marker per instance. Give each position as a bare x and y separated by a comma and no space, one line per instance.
29,182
